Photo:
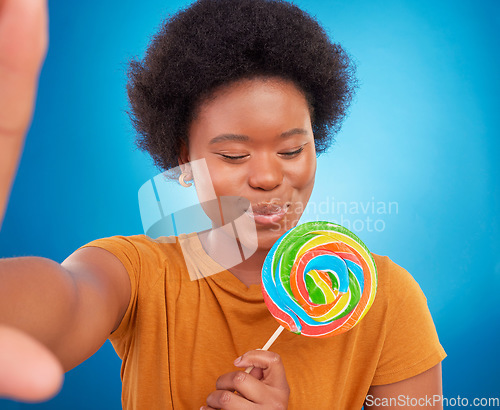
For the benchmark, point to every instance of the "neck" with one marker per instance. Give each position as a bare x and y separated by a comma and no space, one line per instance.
226,251
249,271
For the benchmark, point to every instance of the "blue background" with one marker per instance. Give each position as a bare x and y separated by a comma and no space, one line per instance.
422,133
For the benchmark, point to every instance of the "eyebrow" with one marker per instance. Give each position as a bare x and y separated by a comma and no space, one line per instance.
245,138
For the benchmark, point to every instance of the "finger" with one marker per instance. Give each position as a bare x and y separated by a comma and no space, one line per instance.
226,400
23,29
28,370
272,367
243,383
23,43
256,372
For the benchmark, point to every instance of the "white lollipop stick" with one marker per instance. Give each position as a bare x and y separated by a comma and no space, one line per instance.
268,344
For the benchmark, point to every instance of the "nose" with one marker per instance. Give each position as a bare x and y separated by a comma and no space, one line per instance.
265,174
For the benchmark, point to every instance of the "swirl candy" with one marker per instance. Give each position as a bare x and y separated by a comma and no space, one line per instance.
319,279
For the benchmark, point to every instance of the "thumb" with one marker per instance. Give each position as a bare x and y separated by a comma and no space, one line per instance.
28,370
23,43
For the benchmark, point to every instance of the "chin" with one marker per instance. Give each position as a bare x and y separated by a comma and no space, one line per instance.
268,237
262,237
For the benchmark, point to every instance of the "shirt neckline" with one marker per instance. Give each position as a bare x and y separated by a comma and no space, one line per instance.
223,278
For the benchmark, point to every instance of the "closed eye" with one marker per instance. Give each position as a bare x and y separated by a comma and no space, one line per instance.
287,155
233,157
292,154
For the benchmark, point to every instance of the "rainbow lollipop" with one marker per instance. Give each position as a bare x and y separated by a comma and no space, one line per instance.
319,280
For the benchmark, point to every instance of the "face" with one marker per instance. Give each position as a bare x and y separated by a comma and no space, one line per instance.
256,138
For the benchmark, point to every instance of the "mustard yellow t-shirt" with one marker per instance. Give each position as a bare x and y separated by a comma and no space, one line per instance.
179,335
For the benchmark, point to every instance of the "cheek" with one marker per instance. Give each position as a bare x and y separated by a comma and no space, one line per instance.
301,176
227,184
226,180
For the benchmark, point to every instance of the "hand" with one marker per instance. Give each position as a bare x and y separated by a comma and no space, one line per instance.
264,388
23,43
28,370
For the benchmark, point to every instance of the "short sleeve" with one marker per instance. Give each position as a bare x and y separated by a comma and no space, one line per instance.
130,252
411,345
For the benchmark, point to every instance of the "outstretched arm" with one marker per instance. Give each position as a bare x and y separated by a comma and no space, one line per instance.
52,316
23,43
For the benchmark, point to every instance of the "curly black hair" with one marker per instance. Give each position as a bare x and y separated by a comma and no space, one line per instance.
213,43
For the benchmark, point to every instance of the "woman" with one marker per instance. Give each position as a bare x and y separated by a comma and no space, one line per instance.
255,90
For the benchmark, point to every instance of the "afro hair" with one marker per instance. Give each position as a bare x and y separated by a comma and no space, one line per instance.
213,43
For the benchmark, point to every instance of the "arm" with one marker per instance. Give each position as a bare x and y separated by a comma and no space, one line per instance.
50,314
423,390
70,308
53,317
27,369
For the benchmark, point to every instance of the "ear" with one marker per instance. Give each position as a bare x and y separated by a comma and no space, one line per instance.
184,158
183,155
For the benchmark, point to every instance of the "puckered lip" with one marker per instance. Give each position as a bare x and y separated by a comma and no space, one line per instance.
268,212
